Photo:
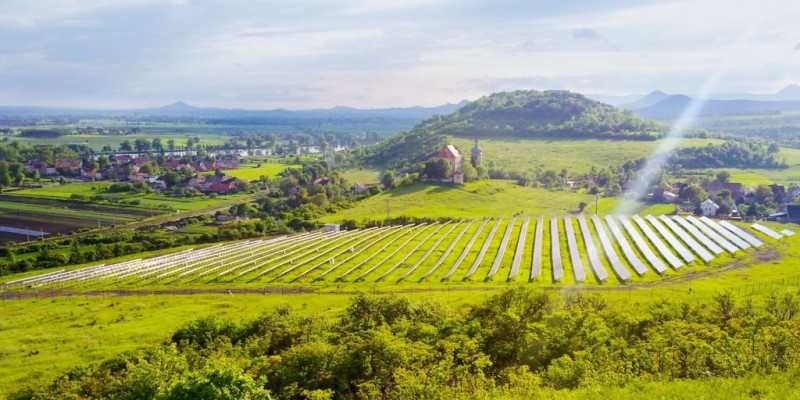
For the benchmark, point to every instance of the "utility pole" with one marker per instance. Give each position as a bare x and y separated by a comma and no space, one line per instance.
596,200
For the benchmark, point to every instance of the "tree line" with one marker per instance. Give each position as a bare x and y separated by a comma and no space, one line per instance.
519,343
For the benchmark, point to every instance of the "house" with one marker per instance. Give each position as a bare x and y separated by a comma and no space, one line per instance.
358,188
175,164
793,212
138,177
778,193
322,181
195,181
452,154
736,189
220,183
458,177
120,159
70,164
709,208
228,185
157,182
92,174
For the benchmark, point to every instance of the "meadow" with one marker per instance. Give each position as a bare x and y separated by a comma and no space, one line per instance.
147,201
254,172
575,155
485,198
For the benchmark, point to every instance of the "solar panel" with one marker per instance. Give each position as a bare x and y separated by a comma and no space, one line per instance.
654,261
682,251
622,273
355,254
627,251
769,232
448,250
466,250
502,250
390,255
519,250
484,249
594,260
409,253
672,260
713,235
536,260
696,247
741,233
555,251
699,235
428,253
371,256
787,232
574,253
725,233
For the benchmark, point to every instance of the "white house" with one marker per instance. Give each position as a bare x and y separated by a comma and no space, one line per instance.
709,208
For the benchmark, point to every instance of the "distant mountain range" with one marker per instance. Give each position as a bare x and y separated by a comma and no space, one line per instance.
661,105
183,110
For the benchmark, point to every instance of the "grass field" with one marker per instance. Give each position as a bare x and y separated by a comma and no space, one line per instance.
254,173
579,156
574,155
364,175
487,198
147,201
97,142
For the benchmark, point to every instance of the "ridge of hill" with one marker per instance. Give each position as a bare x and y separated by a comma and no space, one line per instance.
528,114
672,106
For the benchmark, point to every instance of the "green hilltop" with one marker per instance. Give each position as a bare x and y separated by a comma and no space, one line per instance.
522,114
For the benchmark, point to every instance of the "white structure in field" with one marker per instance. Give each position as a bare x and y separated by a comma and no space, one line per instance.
709,208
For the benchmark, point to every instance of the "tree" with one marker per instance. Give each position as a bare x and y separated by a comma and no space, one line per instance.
103,162
126,145
582,206
764,195
171,144
723,176
694,194
438,168
5,177
142,145
157,145
470,173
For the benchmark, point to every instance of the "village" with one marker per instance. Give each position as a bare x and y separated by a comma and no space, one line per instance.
158,172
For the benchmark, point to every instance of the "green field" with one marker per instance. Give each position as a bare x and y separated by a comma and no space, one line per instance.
251,172
574,155
363,175
147,200
97,142
487,198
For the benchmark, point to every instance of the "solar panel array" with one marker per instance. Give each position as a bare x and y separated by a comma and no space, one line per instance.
438,251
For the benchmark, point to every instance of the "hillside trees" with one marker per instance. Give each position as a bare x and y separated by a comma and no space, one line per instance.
519,342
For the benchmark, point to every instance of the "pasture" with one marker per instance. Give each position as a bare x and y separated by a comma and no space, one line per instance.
575,155
486,198
252,172
51,209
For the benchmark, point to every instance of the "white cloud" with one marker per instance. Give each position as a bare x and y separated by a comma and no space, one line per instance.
373,54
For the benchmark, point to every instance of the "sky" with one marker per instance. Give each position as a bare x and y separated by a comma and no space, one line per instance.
373,54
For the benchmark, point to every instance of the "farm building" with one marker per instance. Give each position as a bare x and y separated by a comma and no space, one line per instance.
709,208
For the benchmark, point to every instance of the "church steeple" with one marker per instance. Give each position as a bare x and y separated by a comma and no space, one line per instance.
476,155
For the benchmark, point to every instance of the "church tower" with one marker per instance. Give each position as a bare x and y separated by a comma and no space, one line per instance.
477,155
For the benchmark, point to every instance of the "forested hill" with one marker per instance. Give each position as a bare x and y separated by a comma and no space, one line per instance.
522,114
552,113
